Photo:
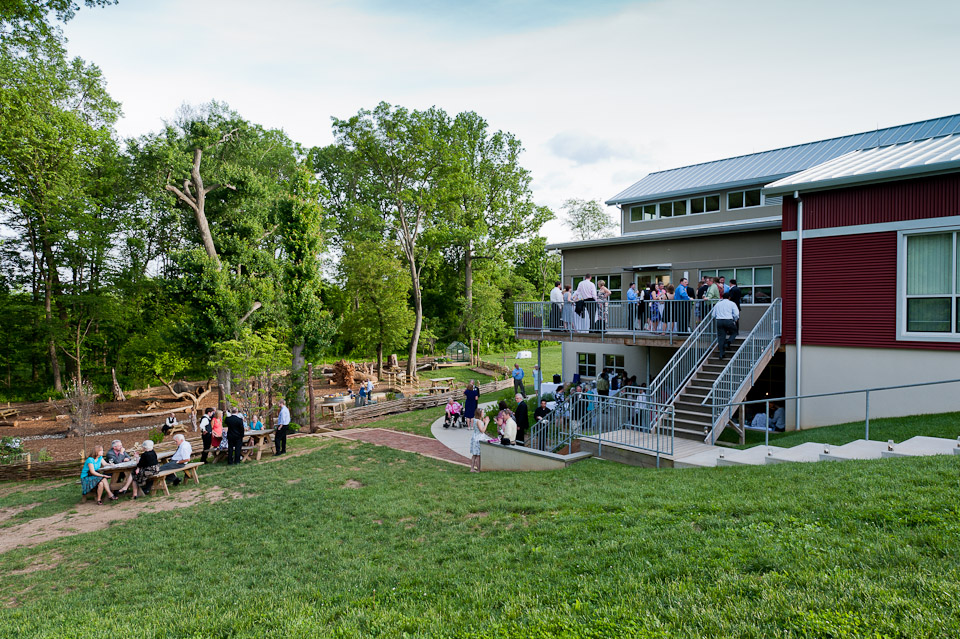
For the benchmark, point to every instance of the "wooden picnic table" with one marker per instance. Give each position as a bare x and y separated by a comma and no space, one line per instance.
259,439
336,409
116,470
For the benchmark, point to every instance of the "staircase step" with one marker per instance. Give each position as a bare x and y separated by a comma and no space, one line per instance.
756,456
809,452
683,404
693,416
860,449
921,445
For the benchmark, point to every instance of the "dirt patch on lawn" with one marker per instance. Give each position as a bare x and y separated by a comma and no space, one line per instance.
13,487
89,517
351,483
46,562
7,513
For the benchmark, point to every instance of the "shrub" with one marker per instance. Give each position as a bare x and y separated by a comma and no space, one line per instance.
156,436
11,449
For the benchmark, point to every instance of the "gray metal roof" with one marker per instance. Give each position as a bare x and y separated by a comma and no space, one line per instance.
767,166
714,228
933,155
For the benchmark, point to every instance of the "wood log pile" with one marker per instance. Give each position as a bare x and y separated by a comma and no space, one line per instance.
496,368
406,404
344,373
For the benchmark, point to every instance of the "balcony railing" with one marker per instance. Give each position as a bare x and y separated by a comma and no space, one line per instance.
665,318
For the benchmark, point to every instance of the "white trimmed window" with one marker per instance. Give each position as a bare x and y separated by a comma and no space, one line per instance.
643,212
744,199
756,282
614,363
587,364
705,204
930,285
613,282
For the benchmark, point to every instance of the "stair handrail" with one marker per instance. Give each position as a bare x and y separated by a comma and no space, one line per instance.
685,362
742,367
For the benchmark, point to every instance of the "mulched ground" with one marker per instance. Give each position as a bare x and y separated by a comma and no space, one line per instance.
409,442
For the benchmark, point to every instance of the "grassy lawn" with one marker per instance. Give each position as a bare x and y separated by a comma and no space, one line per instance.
550,357
461,374
896,428
354,540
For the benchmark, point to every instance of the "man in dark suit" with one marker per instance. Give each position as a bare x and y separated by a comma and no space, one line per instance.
736,295
522,418
234,426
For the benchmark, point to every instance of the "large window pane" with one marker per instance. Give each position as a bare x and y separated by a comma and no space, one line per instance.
752,198
728,273
928,315
744,277
666,209
679,208
763,275
763,294
696,205
712,272
636,213
614,282
735,200
713,203
929,264
650,212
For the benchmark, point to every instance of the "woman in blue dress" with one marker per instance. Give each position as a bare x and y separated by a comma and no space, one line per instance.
91,478
470,405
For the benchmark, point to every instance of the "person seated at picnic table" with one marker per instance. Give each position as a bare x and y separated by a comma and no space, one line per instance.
180,458
147,466
91,478
168,424
256,424
216,427
118,455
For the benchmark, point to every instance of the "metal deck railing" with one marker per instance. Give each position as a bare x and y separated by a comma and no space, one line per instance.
670,319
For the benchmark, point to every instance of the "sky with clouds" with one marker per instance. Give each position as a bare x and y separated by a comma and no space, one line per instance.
600,93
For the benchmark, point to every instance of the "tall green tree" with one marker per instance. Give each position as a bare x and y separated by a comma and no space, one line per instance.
57,153
494,208
377,316
402,166
300,222
587,219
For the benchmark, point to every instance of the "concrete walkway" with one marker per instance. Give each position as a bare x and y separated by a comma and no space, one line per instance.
404,441
457,439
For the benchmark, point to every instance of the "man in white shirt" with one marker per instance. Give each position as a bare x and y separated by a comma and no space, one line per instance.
283,422
369,389
587,293
727,315
556,306
181,457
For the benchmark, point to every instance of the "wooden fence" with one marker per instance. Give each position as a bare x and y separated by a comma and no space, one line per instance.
407,404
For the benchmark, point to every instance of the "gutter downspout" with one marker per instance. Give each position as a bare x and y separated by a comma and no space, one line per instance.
799,316
563,347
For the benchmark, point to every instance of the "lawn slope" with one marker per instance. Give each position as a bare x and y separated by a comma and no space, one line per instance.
354,540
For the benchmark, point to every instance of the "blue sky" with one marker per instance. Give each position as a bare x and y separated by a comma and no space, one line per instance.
600,93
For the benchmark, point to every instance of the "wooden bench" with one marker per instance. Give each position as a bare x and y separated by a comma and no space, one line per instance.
7,413
189,470
438,390
218,454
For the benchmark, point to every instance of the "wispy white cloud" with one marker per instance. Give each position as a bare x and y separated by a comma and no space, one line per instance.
581,148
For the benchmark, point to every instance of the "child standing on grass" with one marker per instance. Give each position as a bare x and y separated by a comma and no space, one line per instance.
480,422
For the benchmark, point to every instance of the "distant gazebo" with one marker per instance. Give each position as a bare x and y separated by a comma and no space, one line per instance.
458,352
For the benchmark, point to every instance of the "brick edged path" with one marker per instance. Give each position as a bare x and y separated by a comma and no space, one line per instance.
426,446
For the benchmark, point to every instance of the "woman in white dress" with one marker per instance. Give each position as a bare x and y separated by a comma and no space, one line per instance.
480,422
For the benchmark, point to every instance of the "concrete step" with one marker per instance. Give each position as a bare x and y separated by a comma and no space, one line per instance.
756,456
706,459
860,449
921,445
809,452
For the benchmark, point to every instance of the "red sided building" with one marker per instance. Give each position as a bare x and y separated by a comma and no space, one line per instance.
870,267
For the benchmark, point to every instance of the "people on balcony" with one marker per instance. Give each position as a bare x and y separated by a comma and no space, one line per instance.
603,305
587,293
568,302
556,306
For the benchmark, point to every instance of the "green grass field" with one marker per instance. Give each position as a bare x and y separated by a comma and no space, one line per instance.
461,374
550,356
354,540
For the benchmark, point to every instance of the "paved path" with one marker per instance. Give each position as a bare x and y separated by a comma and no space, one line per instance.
426,446
458,439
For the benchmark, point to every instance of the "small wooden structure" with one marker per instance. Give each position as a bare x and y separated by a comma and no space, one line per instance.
458,352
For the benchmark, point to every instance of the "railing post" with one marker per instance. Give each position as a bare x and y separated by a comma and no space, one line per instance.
766,431
867,420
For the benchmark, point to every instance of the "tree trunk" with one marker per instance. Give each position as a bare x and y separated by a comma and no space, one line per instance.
118,395
52,345
223,380
296,375
379,360
417,324
468,276
310,398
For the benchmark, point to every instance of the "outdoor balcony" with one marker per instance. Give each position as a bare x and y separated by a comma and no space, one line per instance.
650,323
